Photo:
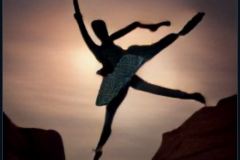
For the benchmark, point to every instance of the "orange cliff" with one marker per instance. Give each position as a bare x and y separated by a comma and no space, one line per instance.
209,134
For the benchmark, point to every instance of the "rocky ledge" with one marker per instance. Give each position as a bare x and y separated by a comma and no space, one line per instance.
30,143
209,134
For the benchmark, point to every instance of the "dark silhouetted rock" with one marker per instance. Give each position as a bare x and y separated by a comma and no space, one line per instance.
30,143
209,134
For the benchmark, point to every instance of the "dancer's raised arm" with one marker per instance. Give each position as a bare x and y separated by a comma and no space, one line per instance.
134,25
78,16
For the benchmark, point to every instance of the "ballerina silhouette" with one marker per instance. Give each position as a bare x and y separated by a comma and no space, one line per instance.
120,66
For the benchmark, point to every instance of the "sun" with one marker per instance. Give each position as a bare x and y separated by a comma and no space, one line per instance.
85,61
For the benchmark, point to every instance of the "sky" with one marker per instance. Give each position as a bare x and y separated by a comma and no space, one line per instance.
49,78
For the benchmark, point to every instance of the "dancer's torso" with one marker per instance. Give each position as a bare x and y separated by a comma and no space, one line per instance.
112,53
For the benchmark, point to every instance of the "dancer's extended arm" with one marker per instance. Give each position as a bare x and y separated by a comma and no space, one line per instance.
78,16
91,45
134,25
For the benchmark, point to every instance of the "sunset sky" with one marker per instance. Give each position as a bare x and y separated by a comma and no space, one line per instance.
49,78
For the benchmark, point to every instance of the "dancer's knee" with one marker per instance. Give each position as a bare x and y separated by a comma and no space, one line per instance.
172,36
164,42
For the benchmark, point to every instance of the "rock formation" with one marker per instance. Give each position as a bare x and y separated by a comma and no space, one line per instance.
209,134
30,143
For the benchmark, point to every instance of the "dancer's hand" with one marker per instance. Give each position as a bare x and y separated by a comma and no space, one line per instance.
77,10
165,23
154,27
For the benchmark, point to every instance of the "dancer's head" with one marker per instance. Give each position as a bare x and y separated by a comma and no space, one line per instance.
100,29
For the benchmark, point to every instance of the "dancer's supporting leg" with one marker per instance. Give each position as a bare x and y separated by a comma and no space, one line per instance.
111,109
140,84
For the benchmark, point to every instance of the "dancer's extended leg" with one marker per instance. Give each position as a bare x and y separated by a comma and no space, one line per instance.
192,24
110,113
140,84
149,51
